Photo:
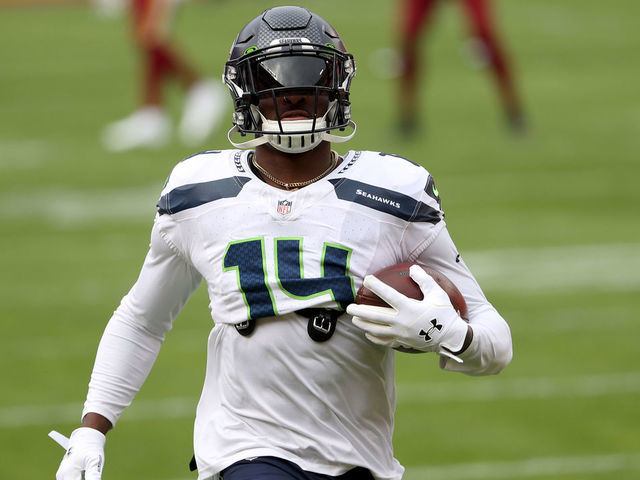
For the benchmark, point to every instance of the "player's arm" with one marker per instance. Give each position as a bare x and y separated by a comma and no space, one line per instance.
97,422
485,343
135,332
480,347
128,349
490,349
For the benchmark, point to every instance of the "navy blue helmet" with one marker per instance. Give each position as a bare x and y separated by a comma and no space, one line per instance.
284,51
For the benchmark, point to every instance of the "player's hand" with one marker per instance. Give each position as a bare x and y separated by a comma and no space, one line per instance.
427,325
84,458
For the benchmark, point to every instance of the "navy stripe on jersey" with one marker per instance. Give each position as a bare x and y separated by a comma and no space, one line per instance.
384,200
196,194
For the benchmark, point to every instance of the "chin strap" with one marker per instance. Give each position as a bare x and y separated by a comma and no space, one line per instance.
273,139
254,142
330,137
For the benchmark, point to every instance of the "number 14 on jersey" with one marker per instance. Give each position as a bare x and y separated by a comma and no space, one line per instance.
247,257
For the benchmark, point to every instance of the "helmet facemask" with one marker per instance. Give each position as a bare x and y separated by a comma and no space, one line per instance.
291,68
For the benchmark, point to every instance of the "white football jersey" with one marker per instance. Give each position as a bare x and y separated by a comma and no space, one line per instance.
265,254
264,251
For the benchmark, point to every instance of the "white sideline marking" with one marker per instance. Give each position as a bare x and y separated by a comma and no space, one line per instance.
69,413
533,467
76,208
530,271
469,390
23,154
496,388
525,271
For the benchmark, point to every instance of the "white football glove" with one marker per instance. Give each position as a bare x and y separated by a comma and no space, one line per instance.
427,325
84,458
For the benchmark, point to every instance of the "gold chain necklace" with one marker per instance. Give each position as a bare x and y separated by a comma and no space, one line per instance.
296,185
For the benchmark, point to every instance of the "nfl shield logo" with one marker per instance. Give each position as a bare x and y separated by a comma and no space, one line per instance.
284,207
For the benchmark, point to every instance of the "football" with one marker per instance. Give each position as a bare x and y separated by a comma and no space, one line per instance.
397,276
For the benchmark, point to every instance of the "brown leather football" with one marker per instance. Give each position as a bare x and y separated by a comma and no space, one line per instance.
397,276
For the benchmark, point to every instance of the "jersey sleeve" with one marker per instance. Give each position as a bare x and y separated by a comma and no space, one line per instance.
136,331
491,348
426,221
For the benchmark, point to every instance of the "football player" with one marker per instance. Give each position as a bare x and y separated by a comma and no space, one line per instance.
415,16
149,126
284,230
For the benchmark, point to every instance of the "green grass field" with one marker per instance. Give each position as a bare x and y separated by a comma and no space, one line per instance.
550,224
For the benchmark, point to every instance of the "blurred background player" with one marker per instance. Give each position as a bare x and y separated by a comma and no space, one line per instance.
149,126
415,16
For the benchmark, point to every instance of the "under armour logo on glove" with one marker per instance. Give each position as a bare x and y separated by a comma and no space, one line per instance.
427,334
